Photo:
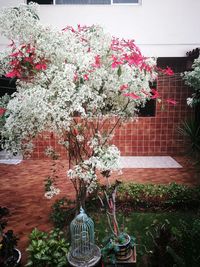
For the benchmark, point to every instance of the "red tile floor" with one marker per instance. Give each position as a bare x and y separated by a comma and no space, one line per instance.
22,191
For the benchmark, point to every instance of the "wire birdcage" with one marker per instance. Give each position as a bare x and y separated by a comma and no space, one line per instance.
82,237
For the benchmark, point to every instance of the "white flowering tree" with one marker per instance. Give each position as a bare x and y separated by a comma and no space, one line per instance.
192,78
78,83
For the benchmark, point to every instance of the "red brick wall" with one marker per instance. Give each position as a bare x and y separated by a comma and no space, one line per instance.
148,135
158,135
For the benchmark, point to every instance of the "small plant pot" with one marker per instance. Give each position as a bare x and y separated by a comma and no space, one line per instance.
125,251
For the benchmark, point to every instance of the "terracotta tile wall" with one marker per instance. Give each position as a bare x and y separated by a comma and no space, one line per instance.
158,135
148,135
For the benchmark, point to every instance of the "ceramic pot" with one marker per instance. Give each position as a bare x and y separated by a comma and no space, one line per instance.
125,251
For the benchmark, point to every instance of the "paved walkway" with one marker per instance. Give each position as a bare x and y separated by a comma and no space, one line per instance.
22,191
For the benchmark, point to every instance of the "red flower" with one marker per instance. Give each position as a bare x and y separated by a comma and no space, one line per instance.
132,95
97,63
86,77
40,66
13,73
68,28
2,111
133,59
171,101
123,87
155,94
14,62
28,59
168,71
16,54
116,62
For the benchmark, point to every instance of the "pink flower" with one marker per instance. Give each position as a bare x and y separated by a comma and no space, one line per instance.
28,59
133,59
14,62
132,95
75,77
146,67
123,87
16,54
171,101
155,94
68,28
86,77
116,62
2,111
40,66
30,50
82,28
13,73
97,63
168,71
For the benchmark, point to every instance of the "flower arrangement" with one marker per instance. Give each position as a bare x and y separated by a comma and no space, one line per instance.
79,83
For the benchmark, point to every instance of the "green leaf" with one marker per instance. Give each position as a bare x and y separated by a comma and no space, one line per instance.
119,71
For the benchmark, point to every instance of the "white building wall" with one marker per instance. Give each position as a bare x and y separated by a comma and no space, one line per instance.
167,28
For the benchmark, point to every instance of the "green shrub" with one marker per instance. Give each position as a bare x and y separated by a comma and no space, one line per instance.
174,196
130,196
62,213
47,249
174,246
189,236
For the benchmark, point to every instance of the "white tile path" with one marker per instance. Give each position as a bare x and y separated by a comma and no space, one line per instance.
6,159
125,162
149,162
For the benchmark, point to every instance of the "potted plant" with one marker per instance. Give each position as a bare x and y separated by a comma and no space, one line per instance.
119,244
10,256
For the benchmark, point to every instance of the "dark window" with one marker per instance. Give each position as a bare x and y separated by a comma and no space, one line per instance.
41,2
149,110
177,64
7,86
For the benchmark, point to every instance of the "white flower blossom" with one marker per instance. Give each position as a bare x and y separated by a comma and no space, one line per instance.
52,192
190,101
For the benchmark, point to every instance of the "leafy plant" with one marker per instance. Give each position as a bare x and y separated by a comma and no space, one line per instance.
175,246
118,236
189,236
47,249
111,246
164,241
62,212
191,130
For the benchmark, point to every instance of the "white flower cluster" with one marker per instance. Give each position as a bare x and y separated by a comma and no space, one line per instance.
105,158
192,78
85,172
52,192
190,101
